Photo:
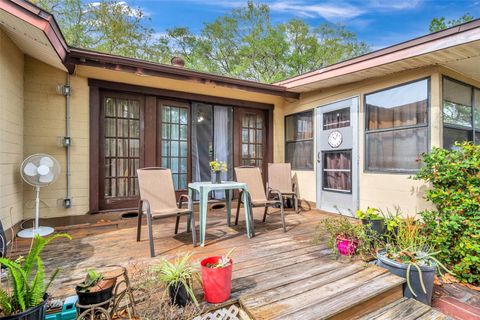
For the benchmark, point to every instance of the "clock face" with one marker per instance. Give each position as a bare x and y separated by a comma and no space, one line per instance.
335,139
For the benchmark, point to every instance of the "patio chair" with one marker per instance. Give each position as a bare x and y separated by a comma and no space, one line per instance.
252,176
158,201
280,178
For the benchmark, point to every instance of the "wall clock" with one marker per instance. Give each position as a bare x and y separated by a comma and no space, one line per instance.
335,139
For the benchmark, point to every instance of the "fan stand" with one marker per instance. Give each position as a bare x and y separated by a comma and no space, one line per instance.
41,231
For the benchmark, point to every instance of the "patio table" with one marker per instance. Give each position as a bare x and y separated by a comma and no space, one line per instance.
204,188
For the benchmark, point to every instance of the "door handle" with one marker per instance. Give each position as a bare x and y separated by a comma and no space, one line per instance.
319,157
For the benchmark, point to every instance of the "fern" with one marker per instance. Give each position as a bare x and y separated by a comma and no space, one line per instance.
27,278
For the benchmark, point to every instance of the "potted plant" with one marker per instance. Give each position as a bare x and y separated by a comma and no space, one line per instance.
95,289
410,256
25,295
178,278
217,277
344,237
217,167
373,219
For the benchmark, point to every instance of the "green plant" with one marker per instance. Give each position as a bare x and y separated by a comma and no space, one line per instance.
454,227
92,278
392,219
26,278
412,247
369,214
343,228
223,262
179,273
218,166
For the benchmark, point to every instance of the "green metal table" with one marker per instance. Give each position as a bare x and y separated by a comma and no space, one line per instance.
204,188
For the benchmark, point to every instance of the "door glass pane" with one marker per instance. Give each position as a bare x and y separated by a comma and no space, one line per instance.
121,146
252,138
337,171
336,119
174,144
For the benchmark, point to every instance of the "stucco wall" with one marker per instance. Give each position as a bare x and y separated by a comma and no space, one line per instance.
11,136
375,189
44,130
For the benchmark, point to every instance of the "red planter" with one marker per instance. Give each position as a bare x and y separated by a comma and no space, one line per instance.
217,282
347,247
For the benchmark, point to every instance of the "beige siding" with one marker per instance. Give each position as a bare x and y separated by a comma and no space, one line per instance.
375,189
11,126
44,130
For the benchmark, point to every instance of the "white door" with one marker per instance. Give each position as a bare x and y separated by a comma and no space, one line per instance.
337,156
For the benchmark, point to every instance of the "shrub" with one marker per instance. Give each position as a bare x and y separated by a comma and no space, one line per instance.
454,227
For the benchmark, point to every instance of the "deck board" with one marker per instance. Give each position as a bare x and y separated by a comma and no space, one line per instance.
276,275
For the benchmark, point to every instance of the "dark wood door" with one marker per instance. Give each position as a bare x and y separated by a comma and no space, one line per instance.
121,149
250,137
173,141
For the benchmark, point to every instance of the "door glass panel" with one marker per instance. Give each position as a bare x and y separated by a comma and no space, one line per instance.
252,138
336,119
337,171
121,146
174,142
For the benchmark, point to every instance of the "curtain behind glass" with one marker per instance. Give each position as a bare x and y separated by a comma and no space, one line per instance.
223,146
202,141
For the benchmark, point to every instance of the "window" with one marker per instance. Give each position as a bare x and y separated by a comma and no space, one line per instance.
336,119
461,113
337,171
299,140
396,127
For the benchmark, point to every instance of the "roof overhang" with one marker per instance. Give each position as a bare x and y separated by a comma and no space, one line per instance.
447,48
142,67
34,31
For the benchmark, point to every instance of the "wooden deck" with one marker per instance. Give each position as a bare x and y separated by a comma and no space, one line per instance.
277,275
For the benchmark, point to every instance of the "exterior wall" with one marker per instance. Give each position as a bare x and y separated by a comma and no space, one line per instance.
375,189
44,130
45,125
11,127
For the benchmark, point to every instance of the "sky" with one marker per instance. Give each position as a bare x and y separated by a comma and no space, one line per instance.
380,23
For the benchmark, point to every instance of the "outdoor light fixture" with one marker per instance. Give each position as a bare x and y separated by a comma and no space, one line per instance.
64,90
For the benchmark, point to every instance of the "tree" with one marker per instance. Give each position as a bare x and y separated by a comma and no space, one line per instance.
106,26
243,43
438,24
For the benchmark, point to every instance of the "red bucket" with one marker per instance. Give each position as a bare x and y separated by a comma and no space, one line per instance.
217,282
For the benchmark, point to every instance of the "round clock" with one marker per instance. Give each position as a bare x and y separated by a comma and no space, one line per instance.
335,139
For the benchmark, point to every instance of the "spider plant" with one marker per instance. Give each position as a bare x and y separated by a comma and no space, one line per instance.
26,277
412,248
180,272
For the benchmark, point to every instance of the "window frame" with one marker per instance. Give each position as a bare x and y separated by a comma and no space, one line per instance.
427,125
312,139
472,130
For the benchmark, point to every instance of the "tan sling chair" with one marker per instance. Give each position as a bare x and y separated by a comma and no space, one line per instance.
252,176
280,178
157,200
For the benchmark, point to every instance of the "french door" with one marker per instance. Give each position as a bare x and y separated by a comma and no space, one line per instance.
337,156
138,130
121,149
250,136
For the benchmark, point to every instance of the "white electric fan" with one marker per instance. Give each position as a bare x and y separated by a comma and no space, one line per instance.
38,170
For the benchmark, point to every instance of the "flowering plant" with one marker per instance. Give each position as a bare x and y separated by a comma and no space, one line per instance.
218,166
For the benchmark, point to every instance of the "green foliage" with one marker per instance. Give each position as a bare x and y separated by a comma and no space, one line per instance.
410,245
91,279
26,279
179,272
369,214
343,228
392,219
243,43
438,24
454,227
